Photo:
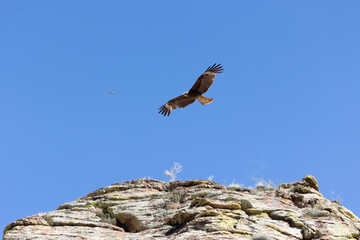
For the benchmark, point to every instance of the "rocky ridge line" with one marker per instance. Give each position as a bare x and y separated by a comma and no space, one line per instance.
193,209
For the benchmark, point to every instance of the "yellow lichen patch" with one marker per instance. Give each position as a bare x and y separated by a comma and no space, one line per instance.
284,231
89,204
311,180
303,189
318,193
236,214
122,196
348,214
232,205
286,201
210,213
294,220
285,185
200,195
298,223
245,204
182,217
226,223
79,209
49,221
262,215
231,225
242,229
253,211
203,201
274,227
342,230
216,204
203,186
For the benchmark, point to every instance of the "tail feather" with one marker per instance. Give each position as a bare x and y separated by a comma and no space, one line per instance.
205,100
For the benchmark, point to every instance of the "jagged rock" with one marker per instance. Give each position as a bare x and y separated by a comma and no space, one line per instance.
193,209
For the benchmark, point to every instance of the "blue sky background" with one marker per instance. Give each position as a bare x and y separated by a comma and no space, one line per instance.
286,105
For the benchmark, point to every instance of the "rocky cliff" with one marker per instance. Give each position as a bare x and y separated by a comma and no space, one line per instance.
193,209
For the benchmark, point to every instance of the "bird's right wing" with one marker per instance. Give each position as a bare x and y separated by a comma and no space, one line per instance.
180,101
203,83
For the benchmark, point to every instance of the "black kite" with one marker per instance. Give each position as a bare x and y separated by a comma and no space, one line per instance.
201,85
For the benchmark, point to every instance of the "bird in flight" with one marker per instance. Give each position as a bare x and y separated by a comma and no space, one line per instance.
111,92
201,85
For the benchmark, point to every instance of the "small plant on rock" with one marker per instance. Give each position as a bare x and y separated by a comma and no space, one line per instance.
177,168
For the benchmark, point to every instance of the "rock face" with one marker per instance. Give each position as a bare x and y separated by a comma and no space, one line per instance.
193,209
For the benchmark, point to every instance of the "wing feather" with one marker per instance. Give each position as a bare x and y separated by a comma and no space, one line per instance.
180,101
203,83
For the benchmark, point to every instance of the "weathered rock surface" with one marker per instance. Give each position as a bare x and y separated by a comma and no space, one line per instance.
193,209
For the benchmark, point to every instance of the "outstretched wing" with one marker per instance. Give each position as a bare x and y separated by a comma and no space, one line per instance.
203,83
180,101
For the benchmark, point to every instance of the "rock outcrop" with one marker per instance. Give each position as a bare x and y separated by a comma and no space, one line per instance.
193,209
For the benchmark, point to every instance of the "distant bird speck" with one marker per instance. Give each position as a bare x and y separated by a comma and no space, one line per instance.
111,92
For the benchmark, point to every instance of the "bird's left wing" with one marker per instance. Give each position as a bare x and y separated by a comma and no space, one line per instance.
180,101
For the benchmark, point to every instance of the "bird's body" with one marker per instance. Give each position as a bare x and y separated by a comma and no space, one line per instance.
201,85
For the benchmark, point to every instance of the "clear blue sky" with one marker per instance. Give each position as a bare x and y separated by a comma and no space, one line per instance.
286,105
